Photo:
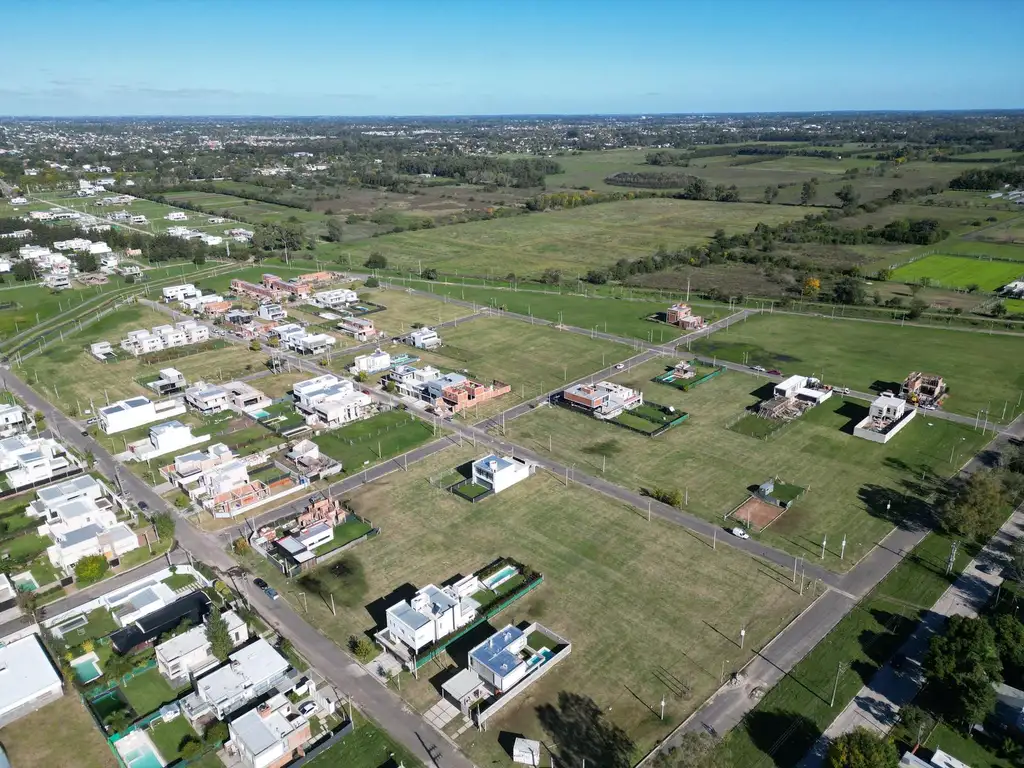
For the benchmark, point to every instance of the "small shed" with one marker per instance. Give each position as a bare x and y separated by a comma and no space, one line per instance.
526,751
465,689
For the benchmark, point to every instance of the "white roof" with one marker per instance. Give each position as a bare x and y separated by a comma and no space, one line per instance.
183,644
255,663
25,673
260,732
945,760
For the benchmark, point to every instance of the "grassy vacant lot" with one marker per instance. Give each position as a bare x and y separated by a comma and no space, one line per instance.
60,735
375,439
957,220
251,210
368,746
849,480
623,317
651,607
866,356
572,241
73,377
404,309
1014,306
960,272
785,724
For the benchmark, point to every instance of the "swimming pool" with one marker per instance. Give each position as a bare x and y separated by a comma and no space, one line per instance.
499,578
86,670
143,758
259,415
544,654
138,751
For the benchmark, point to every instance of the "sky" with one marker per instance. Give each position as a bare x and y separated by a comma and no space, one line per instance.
480,57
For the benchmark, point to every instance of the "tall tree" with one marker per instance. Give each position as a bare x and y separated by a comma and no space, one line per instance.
808,192
848,196
695,750
961,665
849,290
973,509
861,748
218,635
334,231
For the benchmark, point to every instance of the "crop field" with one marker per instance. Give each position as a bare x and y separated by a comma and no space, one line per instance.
849,480
252,210
572,241
960,272
878,356
612,582
72,378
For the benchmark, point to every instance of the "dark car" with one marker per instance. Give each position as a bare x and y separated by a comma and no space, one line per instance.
775,372
271,593
143,506
260,583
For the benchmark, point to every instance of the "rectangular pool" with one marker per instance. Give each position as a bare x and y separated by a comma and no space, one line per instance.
259,415
499,578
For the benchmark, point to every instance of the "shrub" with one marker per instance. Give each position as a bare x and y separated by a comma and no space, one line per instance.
91,569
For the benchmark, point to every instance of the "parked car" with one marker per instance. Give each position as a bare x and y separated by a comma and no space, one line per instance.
739,533
143,506
759,368
775,372
620,366
260,583
271,593
308,708
90,422
846,390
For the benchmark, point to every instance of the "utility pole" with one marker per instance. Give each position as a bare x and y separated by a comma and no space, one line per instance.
835,686
842,549
743,637
824,540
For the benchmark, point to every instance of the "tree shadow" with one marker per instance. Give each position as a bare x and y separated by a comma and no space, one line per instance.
853,412
899,509
784,737
577,725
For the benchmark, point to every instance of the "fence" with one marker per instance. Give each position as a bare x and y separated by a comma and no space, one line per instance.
685,385
322,746
99,691
457,490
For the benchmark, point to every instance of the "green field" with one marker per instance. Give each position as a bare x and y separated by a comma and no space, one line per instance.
1014,306
368,746
572,241
866,356
168,737
60,735
255,211
404,310
372,440
960,272
613,582
849,480
982,248
147,692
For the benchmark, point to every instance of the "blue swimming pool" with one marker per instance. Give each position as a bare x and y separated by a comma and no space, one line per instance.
143,758
544,654
87,670
259,415
496,579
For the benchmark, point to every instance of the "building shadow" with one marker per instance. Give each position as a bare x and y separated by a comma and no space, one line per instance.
878,386
854,413
378,608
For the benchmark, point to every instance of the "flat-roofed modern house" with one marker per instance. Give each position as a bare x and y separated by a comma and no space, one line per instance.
28,679
171,381
330,401
375,362
273,312
245,397
359,328
14,420
432,614
188,469
887,415
165,438
311,343
249,673
135,412
269,736
179,292
140,603
27,460
194,606
208,398
604,400
335,299
498,473
190,653
411,381
424,338
498,659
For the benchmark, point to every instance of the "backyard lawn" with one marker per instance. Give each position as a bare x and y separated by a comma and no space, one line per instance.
148,692
612,582
875,356
369,441
850,480
343,534
368,746
169,737
60,735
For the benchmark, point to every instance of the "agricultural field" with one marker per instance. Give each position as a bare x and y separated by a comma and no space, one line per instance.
981,248
72,378
572,241
611,582
877,356
849,480
960,272
80,745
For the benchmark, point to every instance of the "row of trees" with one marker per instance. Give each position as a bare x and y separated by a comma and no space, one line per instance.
475,169
988,178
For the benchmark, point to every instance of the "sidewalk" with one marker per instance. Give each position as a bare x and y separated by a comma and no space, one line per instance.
878,703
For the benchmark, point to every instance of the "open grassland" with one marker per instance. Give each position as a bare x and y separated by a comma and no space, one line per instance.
368,746
878,356
960,272
1014,306
613,583
72,377
153,211
60,735
404,310
372,440
256,211
849,480
957,220
1011,232
982,248
572,240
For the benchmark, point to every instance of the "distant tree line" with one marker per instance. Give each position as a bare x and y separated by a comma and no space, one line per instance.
988,178
518,172
690,187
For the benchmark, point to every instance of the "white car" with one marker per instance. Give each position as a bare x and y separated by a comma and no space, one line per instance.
758,368
739,533
620,366
308,708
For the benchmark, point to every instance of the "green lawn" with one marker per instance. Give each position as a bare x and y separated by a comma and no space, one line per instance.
375,439
960,272
612,582
343,534
1014,306
965,748
753,425
785,724
26,545
148,692
368,746
178,580
168,737
863,355
849,480
60,735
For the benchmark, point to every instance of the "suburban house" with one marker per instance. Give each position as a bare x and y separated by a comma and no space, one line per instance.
923,388
139,602
254,290
286,331
249,673
310,462
432,614
176,216
335,299
301,547
164,438
57,282
189,654
14,419
682,316
81,519
295,288
171,381
424,338
193,606
330,400
411,381
26,460
189,469
273,312
375,362
245,397
498,473
179,292
804,388
498,659
459,395
200,302
310,343
604,400
359,328
208,398
135,412
183,333
887,415
28,679
269,736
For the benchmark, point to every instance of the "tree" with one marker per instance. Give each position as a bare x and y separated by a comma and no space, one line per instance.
862,748
117,666
334,231
376,260
695,750
884,274
86,262
372,282
255,345
917,308
849,290
273,341
163,522
216,732
218,635
961,665
808,192
1010,645
190,746
999,309
974,507
811,286
429,274
770,193
24,271
199,258
91,569
848,196
28,603
362,648
1016,566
